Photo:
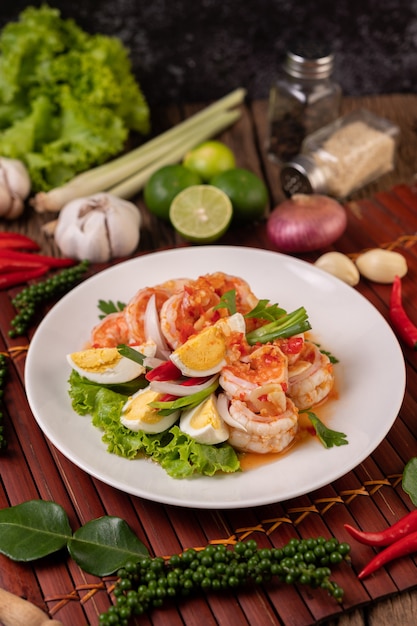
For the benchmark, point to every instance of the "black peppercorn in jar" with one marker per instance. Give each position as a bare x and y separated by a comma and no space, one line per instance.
302,99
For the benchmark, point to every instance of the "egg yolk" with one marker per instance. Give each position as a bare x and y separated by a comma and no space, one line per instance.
203,351
138,408
206,415
96,359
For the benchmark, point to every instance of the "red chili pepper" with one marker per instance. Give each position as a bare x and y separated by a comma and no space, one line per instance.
15,265
16,278
163,372
404,526
17,241
402,547
50,261
399,318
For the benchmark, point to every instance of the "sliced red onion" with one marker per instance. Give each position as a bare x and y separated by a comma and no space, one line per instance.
176,389
152,362
153,328
223,409
308,371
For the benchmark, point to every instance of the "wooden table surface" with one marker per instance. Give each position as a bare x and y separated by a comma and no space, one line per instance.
32,468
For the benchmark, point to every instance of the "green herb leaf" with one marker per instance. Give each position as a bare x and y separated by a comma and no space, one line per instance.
33,529
326,436
37,528
409,481
331,357
102,546
264,310
228,301
130,353
108,306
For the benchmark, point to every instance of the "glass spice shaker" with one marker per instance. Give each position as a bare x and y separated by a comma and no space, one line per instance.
342,156
302,99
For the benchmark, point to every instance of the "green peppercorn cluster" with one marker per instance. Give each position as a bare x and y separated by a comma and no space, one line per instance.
3,376
147,584
28,301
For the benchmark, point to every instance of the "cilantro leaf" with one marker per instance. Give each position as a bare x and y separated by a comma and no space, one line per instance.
227,301
326,436
331,356
108,306
263,311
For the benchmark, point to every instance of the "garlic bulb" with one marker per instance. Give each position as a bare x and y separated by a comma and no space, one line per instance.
98,228
381,266
339,265
15,187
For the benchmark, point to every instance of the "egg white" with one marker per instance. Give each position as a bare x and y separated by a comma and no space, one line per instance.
204,354
137,415
106,366
204,423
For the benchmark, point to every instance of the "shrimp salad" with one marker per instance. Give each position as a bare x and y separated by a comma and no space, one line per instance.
195,373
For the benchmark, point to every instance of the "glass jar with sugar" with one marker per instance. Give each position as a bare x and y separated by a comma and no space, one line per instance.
342,156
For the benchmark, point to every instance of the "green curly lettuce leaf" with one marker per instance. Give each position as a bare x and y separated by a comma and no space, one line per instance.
178,453
68,99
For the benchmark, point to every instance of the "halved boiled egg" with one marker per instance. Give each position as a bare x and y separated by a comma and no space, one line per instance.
204,423
204,354
107,366
138,415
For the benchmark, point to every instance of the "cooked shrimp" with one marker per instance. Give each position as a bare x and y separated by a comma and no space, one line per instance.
311,377
186,313
136,307
292,347
260,366
221,283
111,331
189,311
264,432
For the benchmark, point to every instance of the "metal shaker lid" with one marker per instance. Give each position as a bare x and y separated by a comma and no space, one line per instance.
309,59
301,175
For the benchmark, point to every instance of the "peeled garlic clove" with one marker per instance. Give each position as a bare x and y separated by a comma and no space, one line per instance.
14,187
339,265
381,266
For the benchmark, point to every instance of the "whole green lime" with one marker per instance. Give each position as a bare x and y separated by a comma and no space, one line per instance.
164,185
247,192
209,159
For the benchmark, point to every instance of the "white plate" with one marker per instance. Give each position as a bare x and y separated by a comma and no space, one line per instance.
370,375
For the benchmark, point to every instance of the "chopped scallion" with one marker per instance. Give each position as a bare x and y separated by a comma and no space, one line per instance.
285,326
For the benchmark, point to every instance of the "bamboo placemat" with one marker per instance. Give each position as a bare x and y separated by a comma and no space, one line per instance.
371,496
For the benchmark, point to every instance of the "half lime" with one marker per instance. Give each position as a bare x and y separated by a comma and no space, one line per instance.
201,213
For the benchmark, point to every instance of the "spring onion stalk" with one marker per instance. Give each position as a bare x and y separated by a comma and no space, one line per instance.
184,402
288,325
141,162
130,353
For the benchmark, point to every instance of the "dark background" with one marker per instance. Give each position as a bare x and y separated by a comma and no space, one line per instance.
195,51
